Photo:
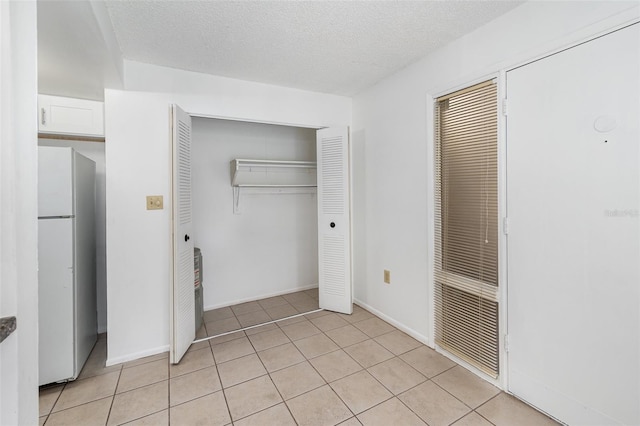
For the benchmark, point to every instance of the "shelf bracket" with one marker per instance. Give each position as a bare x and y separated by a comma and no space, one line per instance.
236,200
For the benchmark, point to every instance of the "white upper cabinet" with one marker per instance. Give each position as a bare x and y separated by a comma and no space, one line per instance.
68,116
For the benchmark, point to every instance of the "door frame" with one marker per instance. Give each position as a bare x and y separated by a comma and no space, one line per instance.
276,123
500,77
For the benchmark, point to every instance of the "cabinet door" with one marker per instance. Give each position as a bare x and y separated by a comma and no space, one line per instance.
67,116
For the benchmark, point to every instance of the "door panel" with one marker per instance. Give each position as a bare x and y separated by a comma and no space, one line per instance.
55,192
334,220
85,255
55,300
573,197
182,294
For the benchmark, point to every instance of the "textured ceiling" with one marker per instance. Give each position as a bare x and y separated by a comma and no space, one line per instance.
338,47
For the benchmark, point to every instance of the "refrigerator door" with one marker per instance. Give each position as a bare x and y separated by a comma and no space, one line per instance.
85,259
55,181
55,299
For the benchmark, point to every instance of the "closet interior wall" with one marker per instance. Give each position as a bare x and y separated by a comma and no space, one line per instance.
271,246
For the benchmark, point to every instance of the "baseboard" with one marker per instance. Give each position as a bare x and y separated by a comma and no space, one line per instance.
411,332
262,296
136,355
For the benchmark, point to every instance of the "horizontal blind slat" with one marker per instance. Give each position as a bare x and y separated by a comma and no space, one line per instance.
466,225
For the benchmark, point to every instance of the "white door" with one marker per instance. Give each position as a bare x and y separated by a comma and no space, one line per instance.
573,199
18,211
334,220
182,305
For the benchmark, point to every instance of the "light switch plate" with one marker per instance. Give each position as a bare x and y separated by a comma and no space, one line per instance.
154,202
387,276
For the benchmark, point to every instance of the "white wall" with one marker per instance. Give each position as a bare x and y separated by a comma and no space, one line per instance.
137,160
95,152
78,54
19,215
392,135
271,247
214,96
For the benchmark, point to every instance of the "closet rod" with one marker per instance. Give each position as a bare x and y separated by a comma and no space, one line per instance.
249,185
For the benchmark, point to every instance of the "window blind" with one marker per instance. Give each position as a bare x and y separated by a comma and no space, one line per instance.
466,225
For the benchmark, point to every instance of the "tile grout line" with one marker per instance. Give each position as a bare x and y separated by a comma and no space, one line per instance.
169,387
224,394
430,379
393,395
55,402
77,381
326,383
149,414
339,397
471,408
486,402
483,417
348,375
113,397
409,408
283,401
193,398
253,326
144,385
268,373
290,341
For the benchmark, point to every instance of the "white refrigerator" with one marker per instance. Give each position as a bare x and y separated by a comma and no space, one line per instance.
66,263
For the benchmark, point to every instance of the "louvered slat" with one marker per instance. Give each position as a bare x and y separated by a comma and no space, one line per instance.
332,177
334,260
184,173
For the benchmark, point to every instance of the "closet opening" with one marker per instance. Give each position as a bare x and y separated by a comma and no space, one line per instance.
257,231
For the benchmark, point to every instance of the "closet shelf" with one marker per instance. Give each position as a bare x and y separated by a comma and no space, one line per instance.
272,174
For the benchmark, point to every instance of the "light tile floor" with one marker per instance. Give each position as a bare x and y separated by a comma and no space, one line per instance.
319,369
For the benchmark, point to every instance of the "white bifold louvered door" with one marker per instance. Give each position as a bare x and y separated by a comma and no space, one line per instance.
334,220
182,304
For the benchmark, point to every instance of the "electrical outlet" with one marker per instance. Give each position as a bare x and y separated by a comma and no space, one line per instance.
154,202
387,276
